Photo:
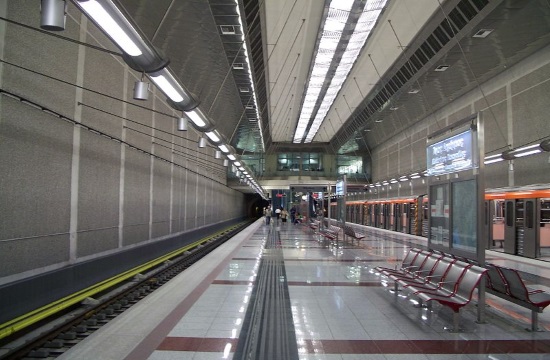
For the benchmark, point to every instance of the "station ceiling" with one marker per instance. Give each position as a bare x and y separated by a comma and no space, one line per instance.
393,84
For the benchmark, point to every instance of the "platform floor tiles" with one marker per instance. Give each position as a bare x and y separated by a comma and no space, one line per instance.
340,308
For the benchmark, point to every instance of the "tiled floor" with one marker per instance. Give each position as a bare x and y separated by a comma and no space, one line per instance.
340,307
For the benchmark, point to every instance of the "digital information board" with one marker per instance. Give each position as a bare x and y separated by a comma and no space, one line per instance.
340,184
451,155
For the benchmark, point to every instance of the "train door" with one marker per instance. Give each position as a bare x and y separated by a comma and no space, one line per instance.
425,214
405,223
381,215
531,221
487,223
391,216
397,217
544,237
386,208
510,227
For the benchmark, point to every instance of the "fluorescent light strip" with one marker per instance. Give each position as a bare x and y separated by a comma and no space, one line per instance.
231,157
110,26
487,162
525,148
167,88
212,135
223,148
196,118
531,152
249,71
357,41
237,163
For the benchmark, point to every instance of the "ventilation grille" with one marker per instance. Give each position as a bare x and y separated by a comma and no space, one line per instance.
461,15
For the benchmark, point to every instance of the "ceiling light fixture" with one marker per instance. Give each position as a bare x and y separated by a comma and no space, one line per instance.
483,33
212,135
167,88
202,142
141,89
441,68
223,148
327,77
196,117
254,100
107,23
53,15
182,124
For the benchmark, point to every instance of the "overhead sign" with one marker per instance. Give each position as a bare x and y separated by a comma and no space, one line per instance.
451,155
281,195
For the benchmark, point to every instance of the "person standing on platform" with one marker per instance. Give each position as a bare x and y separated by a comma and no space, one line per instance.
267,213
278,213
293,214
284,215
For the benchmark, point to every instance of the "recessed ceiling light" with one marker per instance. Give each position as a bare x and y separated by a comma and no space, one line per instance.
442,67
393,108
483,33
227,29
413,91
378,120
367,130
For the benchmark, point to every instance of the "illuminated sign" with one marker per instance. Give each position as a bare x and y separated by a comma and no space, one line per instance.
451,155
340,188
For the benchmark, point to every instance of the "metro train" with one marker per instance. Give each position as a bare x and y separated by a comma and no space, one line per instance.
519,218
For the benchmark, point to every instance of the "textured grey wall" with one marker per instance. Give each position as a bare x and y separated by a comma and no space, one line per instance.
515,109
69,194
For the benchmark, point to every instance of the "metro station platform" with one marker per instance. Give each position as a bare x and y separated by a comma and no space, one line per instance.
279,292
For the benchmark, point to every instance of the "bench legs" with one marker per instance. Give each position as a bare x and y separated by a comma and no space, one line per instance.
534,321
456,319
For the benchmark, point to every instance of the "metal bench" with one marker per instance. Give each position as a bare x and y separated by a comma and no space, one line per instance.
408,266
425,269
349,231
447,284
436,277
460,296
314,225
432,280
331,232
507,284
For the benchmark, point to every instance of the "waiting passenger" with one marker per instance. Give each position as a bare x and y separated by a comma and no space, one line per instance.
267,213
284,215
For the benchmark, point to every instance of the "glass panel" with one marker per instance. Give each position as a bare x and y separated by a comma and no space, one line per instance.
464,215
439,214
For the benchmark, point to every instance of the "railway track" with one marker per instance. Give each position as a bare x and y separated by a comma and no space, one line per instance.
55,334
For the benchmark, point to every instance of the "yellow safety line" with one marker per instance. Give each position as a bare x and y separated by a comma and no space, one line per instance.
43,312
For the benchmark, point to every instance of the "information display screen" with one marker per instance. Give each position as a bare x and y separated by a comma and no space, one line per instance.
451,155
340,187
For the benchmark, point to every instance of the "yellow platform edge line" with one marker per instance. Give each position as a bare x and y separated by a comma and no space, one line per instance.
43,312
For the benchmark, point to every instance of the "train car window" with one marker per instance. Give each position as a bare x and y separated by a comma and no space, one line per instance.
509,214
529,212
